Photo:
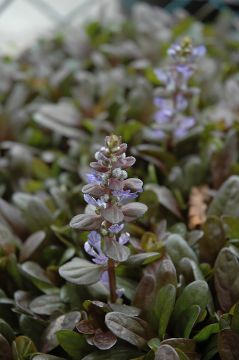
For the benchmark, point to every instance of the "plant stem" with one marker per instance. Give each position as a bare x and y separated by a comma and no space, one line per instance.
112,280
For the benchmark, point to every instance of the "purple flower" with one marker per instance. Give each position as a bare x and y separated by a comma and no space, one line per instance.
124,238
198,51
116,228
125,195
93,247
91,201
181,102
186,70
183,128
163,116
174,50
161,75
94,178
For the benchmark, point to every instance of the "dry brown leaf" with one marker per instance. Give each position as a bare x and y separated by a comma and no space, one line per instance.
198,203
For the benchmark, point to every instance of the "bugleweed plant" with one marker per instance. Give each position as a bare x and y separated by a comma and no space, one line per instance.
107,194
117,282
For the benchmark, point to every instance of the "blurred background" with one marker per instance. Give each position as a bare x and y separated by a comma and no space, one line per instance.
22,21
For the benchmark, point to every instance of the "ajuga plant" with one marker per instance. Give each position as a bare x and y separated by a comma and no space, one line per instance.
109,196
111,285
175,116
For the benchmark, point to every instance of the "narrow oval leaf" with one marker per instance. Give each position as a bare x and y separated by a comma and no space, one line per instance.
113,214
81,272
166,352
164,305
47,304
133,210
73,343
63,322
22,347
228,345
86,222
132,330
5,349
226,279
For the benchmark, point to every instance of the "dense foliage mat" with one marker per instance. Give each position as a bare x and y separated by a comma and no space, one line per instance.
86,270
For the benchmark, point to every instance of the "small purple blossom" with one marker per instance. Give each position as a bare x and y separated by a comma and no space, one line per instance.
169,117
92,201
94,178
93,247
125,194
124,238
116,228
186,124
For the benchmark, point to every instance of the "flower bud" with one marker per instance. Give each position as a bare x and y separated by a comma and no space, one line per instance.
124,175
117,173
113,141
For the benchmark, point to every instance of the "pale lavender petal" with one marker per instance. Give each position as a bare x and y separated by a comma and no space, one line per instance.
94,178
101,203
163,116
89,249
187,122
185,69
94,238
116,228
125,194
182,103
100,259
161,75
199,51
159,101
90,200
124,238
173,50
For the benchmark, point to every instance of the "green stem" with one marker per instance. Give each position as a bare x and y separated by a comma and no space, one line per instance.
112,280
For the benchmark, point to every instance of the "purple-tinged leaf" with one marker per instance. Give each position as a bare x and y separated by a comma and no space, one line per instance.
133,210
112,214
86,222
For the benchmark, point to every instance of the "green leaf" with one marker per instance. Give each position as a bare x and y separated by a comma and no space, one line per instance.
235,319
206,332
22,347
228,345
189,318
196,293
182,355
7,331
132,330
5,349
31,244
81,272
213,240
178,248
47,304
63,322
116,251
73,343
226,279
226,201
45,357
165,198
38,276
114,354
142,259
164,305
166,352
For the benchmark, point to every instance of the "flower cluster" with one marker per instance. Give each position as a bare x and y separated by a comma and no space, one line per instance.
108,194
172,115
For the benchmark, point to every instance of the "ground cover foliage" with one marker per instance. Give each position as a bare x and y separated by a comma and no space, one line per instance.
176,266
